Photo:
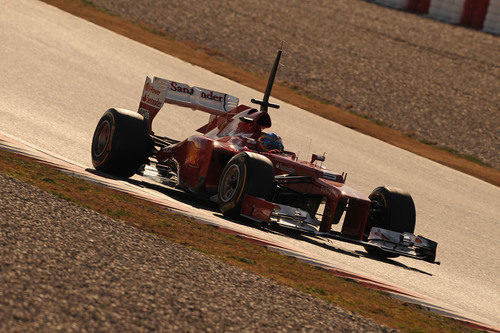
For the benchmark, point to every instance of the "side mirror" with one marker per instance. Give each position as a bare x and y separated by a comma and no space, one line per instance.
316,157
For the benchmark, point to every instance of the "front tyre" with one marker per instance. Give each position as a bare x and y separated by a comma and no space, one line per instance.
245,173
390,209
120,143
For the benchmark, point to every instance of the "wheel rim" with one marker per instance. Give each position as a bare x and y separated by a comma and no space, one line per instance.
102,137
229,183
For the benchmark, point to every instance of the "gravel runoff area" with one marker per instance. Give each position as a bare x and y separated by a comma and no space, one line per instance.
431,80
66,268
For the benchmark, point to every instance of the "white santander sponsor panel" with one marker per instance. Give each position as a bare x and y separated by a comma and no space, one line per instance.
158,91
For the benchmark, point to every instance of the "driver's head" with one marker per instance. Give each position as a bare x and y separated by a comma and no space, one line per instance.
270,142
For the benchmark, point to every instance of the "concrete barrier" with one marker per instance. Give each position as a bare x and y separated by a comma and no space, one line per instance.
478,14
447,10
399,4
492,20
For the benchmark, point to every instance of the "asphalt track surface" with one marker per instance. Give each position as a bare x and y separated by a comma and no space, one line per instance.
60,73
429,79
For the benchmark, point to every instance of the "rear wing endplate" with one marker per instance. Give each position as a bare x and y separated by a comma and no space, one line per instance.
160,91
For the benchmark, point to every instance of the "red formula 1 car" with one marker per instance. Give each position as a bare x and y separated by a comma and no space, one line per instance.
248,172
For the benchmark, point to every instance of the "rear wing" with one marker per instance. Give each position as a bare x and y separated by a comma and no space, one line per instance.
160,91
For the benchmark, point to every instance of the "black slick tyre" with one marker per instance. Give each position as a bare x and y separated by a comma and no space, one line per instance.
245,173
120,143
390,209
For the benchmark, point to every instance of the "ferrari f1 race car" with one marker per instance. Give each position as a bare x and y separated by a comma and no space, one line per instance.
247,171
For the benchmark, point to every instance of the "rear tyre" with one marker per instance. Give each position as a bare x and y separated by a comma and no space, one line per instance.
245,173
390,209
120,143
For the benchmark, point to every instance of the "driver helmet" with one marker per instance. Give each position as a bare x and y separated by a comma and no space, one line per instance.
270,142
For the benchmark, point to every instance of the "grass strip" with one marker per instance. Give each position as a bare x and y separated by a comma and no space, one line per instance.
228,248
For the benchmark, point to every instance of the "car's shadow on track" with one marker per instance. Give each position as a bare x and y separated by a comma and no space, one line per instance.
328,245
176,194
205,204
179,195
393,262
305,238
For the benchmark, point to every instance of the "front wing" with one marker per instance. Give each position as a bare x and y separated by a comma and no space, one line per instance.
403,244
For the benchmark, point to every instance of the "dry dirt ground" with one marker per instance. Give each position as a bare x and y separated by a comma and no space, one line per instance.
431,80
